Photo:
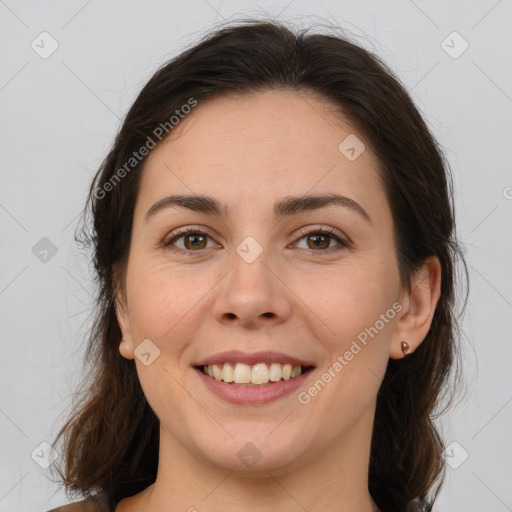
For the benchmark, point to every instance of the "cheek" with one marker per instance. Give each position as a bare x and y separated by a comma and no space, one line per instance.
163,300
357,307
348,301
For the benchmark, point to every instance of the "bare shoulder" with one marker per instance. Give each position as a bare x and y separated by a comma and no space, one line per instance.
79,506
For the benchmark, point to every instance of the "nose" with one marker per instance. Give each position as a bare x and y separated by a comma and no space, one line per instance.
253,294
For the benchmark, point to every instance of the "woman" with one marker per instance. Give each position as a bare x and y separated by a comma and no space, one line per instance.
274,240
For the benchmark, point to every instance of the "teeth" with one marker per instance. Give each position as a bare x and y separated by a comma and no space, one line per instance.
217,372
275,372
242,373
227,374
296,371
260,373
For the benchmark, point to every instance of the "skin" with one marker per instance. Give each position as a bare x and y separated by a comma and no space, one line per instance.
249,152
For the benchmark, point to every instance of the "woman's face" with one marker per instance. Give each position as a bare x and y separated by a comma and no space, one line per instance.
259,275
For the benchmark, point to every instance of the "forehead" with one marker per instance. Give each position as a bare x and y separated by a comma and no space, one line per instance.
265,144
272,120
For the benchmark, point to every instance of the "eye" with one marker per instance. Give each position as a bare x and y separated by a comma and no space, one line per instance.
320,238
193,239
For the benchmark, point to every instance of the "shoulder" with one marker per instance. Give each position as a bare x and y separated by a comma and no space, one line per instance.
79,506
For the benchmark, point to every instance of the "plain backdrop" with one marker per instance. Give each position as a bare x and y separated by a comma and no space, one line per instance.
63,95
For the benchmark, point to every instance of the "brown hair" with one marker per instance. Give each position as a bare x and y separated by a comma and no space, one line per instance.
111,438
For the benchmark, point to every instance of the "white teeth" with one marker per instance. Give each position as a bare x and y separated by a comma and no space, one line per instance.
275,372
228,373
260,373
242,373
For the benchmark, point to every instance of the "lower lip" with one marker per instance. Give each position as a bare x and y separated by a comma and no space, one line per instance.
253,395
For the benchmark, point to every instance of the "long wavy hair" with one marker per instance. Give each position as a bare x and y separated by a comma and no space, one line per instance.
109,443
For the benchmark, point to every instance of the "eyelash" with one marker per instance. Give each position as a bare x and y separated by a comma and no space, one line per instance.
302,234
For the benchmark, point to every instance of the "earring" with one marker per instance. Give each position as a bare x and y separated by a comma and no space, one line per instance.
405,347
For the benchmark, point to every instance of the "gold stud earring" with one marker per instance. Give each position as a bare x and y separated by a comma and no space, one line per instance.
405,347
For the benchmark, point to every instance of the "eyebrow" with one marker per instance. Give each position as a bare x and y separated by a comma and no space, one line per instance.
288,206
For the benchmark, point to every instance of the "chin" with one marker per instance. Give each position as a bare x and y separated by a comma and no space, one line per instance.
253,450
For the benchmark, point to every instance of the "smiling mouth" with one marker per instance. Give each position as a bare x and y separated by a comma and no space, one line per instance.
260,374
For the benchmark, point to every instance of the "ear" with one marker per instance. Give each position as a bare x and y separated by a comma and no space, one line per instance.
126,347
418,310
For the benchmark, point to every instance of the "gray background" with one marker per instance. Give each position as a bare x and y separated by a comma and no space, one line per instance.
59,115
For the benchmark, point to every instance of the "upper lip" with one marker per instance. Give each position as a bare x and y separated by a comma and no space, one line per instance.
268,357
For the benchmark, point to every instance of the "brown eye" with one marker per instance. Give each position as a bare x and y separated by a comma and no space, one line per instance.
194,240
318,240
